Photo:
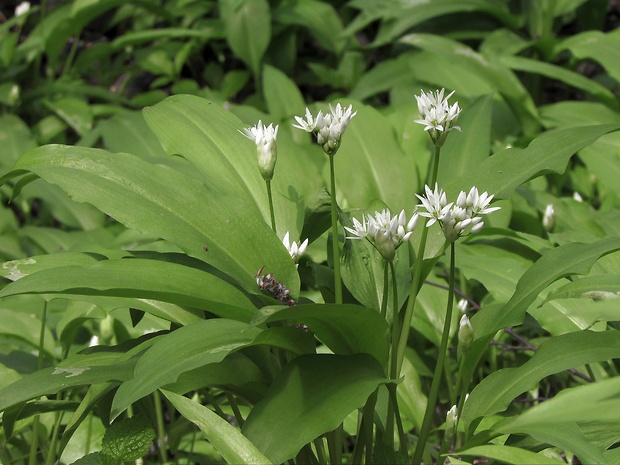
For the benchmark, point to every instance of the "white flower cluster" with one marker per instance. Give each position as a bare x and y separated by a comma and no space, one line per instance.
295,249
265,139
437,116
384,231
456,218
328,128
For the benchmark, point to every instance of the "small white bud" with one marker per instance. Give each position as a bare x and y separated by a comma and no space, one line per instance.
548,219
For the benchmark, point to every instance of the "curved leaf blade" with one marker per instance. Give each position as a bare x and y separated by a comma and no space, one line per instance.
227,440
185,349
159,200
566,260
559,353
140,278
311,396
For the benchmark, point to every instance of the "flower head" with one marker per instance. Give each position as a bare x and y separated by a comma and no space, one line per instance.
22,8
265,139
328,128
384,231
437,116
459,218
295,249
435,204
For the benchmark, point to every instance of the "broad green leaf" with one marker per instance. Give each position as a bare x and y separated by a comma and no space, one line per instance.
140,278
320,18
500,77
27,328
563,261
480,261
311,396
559,353
469,147
602,287
570,113
589,403
75,112
16,139
227,440
75,371
571,78
64,21
159,200
237,373
601,47
185,349
371,166
248,29
429,313
282,96
399,17
345,329
67,211
561,316
382,77
602,160
502,173
566,435
510,454
207,136
128,132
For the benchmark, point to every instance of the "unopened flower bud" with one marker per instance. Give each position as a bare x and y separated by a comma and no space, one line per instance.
265,139
548,219
466,334
385,246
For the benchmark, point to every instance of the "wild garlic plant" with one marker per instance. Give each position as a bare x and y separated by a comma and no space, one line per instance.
386,233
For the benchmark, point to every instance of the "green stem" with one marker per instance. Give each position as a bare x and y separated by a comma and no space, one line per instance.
271,211
434,393
71,56
365,431
320,450
161,433
389,427
386,286
32,459
235,408
335,247
417,274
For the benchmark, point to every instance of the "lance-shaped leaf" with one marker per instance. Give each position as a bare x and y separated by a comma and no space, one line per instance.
140,278
227,440
223,229
603,287
185,349
207,136
311,396
502,173
563,261
345,329
559,353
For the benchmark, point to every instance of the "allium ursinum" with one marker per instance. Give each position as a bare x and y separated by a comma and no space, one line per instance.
328,128
384,231
295,249
460,218
548,219
435,203
265,139
437,116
